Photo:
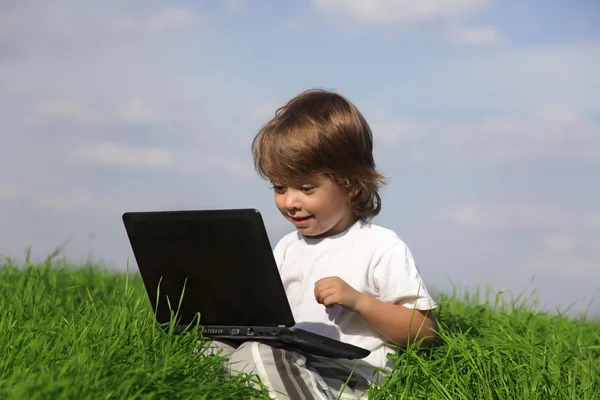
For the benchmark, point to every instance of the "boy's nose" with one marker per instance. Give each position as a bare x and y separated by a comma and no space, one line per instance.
291,201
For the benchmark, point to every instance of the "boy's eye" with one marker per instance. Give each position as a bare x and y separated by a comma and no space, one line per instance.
278,188
307,189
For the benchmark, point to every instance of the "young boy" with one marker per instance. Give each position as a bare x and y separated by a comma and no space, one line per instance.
345,277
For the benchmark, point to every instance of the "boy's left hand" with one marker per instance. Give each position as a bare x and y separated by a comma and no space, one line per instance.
333,291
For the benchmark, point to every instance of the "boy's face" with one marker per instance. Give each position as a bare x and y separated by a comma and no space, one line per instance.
317,207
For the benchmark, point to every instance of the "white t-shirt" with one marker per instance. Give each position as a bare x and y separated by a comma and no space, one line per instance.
371,259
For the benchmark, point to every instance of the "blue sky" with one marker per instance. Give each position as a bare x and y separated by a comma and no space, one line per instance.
485,116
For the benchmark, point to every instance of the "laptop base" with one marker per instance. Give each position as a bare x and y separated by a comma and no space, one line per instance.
294,338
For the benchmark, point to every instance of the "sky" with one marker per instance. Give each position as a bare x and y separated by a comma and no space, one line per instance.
485,114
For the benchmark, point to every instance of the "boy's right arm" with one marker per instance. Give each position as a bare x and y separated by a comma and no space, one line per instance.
400,325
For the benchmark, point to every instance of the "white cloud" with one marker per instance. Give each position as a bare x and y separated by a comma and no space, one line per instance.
523,216
565,241
62,203
558,243
137,110
565,256
562,266
57,29
515,79
546,135
10,192
160,21
399,11
77,201
235,6
9,22
116,154
441,17
477,36
67,110
389,128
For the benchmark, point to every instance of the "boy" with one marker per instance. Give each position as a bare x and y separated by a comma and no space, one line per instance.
345,277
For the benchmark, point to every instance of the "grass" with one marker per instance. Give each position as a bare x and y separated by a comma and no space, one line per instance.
84,333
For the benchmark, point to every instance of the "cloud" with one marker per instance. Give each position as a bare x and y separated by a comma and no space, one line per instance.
133,109
11,192
61,203
547,241
160,21
137,110
77,201
118,155
399,11
57,29
566,256
389,128
9,22
235,6
62,109
546,135
523,216
513,80
558,243
442,17
477,36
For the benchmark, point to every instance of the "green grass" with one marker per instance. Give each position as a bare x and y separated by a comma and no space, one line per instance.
83,332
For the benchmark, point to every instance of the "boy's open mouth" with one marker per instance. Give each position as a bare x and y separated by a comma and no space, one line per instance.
300,219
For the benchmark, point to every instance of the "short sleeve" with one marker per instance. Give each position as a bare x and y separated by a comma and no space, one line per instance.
398,281
279,252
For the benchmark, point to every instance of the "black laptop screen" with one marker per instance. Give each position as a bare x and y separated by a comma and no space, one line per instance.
223,258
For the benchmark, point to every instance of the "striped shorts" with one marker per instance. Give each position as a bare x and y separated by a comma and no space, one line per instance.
288,374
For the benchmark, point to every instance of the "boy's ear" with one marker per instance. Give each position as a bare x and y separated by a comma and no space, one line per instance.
349,187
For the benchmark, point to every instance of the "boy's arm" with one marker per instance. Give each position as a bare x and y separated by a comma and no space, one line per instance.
401,325
397,323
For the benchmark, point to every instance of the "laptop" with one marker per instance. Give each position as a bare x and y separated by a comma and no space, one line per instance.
216,269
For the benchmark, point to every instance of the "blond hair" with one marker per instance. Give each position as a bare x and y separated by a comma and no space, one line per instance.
321,132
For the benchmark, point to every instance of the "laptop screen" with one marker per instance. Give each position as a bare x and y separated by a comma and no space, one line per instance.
216,263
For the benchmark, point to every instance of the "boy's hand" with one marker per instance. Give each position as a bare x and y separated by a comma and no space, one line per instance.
333,290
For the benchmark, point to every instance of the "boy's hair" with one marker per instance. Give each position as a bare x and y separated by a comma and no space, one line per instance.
321,132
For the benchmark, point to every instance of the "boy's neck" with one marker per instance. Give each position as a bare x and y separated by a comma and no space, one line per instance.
343,225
